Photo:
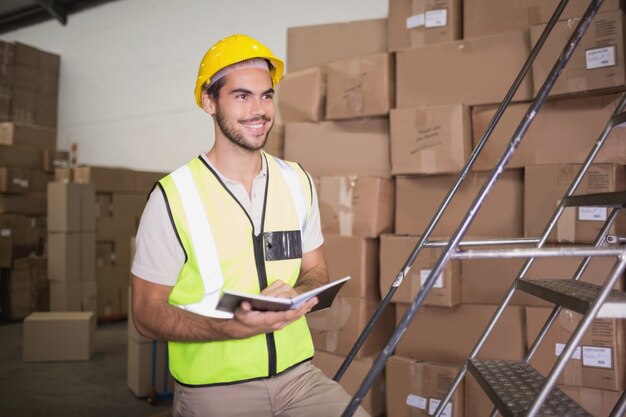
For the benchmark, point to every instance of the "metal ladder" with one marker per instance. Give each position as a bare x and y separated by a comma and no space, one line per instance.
516,388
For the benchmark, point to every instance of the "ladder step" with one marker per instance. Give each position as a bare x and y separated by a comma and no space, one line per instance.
614,199
512,386
575,295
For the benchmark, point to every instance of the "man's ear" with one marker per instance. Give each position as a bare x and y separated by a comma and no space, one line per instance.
208,104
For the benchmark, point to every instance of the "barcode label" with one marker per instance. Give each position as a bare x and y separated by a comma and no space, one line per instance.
424,273
597,357
596,214
600,57
436,18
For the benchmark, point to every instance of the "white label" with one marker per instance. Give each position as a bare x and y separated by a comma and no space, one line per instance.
20,182
558,348
597,214
436,18
434,403
598,357
5,232
424,273
600,57
416,401
416,21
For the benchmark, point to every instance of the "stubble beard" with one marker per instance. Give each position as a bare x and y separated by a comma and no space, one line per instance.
236,137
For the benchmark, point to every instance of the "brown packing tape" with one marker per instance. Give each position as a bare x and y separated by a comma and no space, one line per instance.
347,184
353,90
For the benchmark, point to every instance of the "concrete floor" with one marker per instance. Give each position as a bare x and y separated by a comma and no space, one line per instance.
86,389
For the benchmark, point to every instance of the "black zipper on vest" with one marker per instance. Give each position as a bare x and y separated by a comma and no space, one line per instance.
259,259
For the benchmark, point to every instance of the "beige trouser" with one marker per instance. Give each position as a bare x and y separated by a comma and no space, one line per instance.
301,392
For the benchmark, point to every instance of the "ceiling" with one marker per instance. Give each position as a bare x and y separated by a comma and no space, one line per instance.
16,14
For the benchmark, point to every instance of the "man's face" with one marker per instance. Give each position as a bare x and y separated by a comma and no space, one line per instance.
244,112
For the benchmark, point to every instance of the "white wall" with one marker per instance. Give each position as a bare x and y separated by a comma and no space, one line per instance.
128,69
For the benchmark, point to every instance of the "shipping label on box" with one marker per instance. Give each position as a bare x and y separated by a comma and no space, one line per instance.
598,362
395,250
360,87
355,206
430,139
597,64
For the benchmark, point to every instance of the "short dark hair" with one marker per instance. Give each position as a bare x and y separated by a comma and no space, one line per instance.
213,91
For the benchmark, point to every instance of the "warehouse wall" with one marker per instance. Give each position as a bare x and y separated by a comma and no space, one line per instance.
128,69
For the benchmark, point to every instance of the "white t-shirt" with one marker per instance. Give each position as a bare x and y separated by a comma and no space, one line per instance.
159,256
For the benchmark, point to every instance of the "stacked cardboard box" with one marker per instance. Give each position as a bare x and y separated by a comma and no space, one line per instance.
336,114
119,198
28,111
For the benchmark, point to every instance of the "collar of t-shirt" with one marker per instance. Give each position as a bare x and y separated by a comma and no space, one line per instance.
253,205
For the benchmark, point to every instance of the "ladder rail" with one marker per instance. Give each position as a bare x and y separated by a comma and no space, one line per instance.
460,232
620,407
541,96
577,336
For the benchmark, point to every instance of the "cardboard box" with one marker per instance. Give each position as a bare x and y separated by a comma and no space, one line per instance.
6,252
144,359
20,157
145,181
53,159
456,72
301,95
59,336
106,179
477,403
312,143
545,186
112,291
597,402
596,65
111,228
490,17
38,137
24,288
14,180
563,131
128,205
598,362
415,388
275,144
32,204
336,330
357,257
360,87
113,253
395,251
374,400
64,257
430,139
311,46
418,198
21,229
90,296
66,295
71,207
417,23
449,334
356,206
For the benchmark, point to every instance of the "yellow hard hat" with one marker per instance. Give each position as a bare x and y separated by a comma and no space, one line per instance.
230,50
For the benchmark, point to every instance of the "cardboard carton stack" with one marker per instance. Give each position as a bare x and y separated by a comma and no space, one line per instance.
334,103
28,102
119,198
446,94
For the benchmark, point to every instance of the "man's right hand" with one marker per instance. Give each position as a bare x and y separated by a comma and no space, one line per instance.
248,322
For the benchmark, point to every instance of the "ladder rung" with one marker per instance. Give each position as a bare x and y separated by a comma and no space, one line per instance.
575,295
614,199
512,386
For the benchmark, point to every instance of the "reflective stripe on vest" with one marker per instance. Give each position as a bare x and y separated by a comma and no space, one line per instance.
203,246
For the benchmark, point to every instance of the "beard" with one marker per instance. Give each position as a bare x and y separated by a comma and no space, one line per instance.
238,138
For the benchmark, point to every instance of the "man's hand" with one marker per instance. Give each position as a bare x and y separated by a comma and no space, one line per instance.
280,289
248,322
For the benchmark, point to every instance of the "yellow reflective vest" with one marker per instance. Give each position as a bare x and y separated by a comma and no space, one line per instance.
222,252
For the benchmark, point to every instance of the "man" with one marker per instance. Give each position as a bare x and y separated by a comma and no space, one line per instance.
235,218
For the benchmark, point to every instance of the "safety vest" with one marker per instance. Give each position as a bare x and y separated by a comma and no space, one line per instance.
222,252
